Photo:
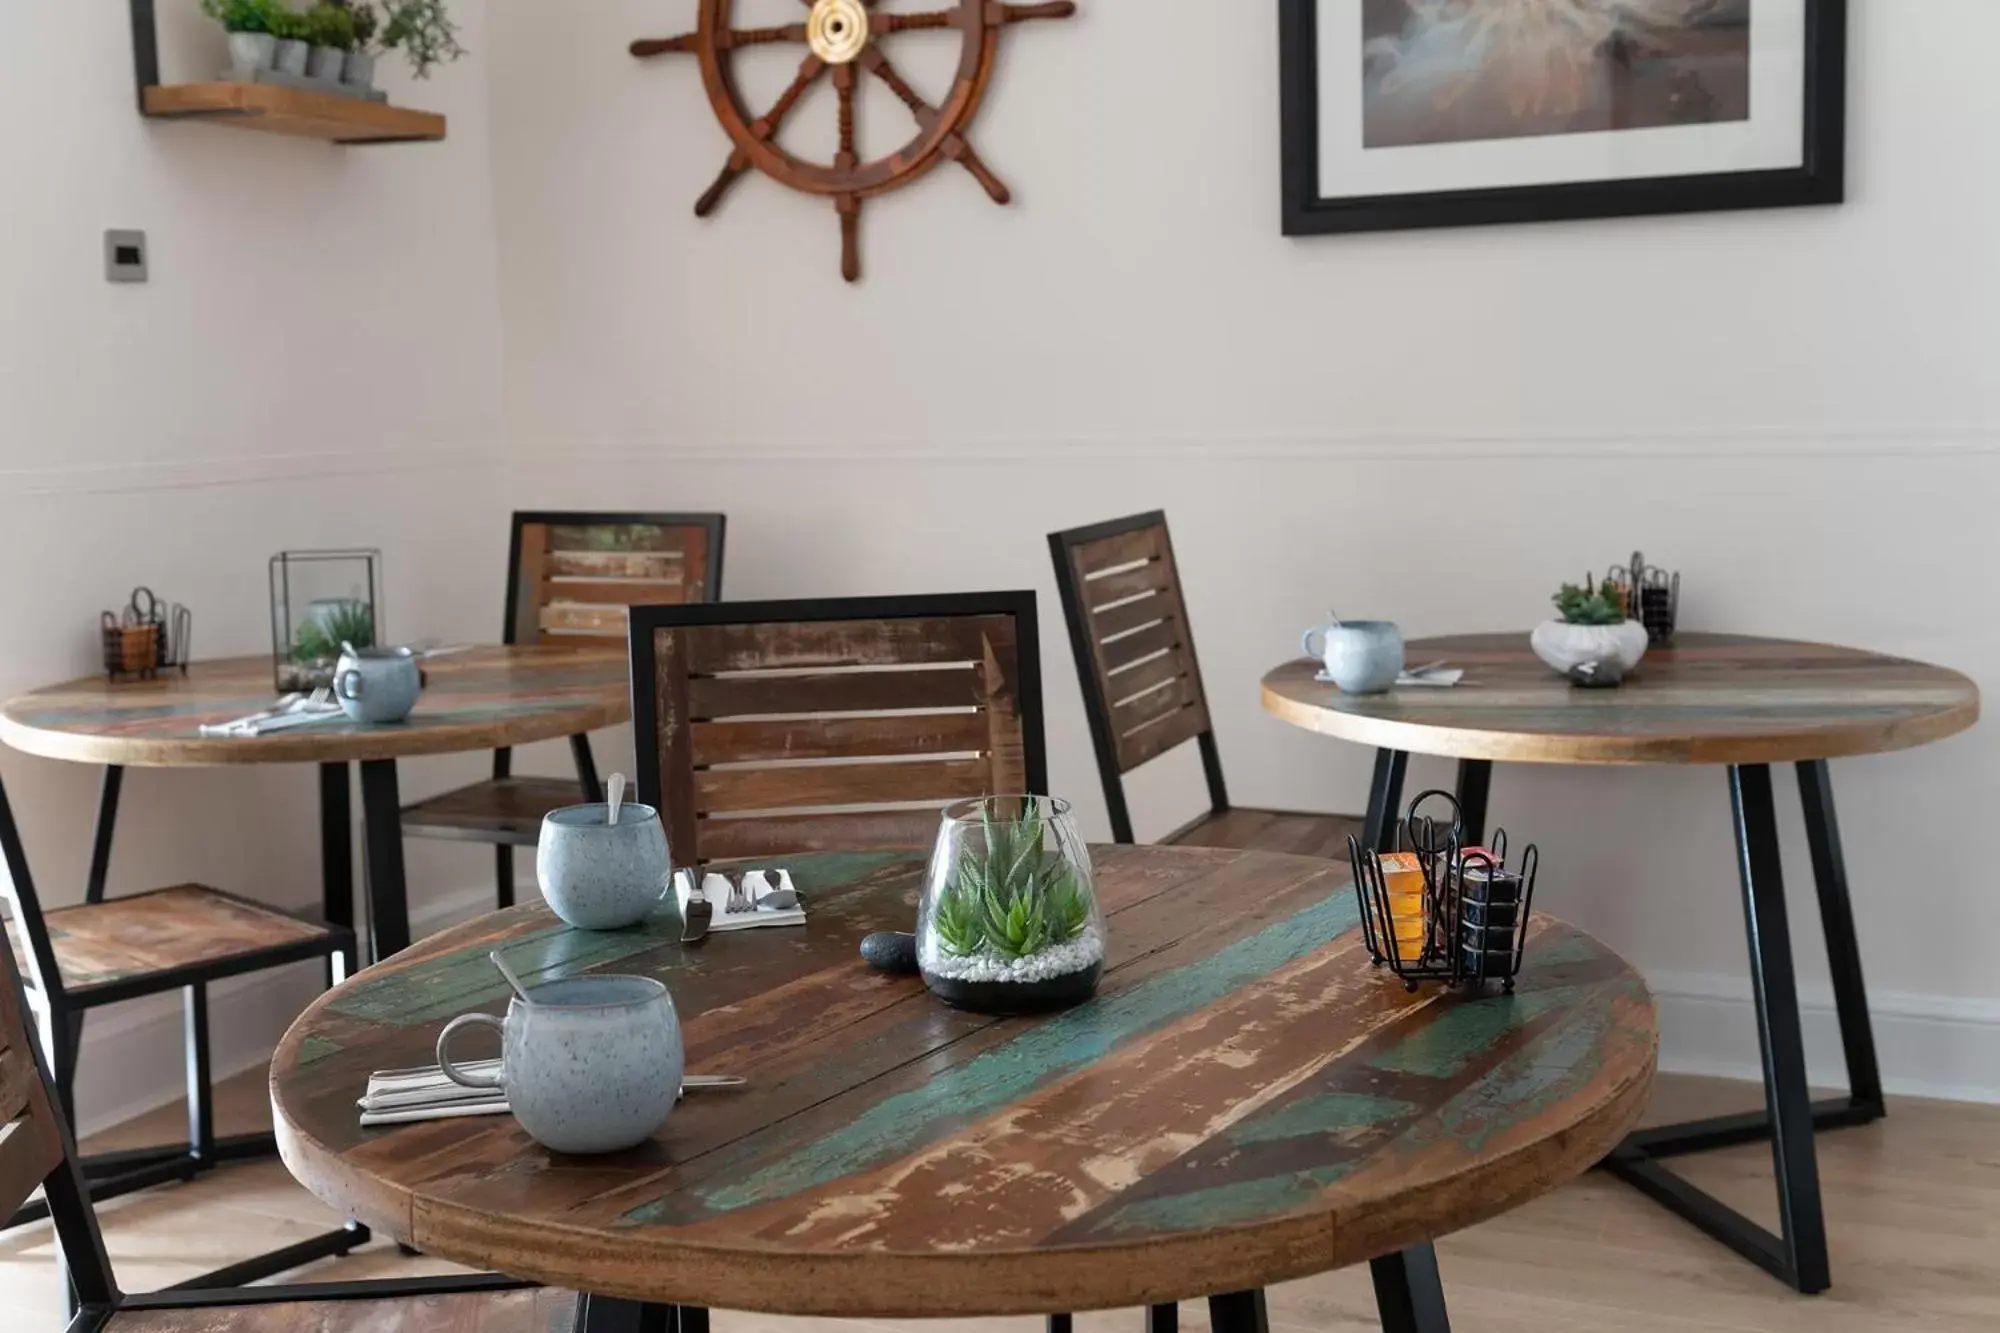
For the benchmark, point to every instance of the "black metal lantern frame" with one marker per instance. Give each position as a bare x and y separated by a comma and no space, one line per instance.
307,627
1475,903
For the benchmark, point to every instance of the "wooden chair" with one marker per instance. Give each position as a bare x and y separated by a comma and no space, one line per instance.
36,1149
571,577
106,951
948,685
1142,691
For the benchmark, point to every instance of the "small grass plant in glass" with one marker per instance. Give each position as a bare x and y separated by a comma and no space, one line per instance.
320,600
1009,921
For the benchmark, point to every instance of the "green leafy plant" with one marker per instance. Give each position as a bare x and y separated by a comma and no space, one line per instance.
330,25
423,31
288,25
1014,896
243,15
319,639
1580,604
366,24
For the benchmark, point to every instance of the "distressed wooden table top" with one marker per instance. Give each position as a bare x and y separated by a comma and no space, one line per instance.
1709,699
481,699
1246,1101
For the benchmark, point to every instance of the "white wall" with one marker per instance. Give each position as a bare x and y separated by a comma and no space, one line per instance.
316,362
1793,407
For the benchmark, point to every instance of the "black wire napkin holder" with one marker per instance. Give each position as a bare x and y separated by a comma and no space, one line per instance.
1475,901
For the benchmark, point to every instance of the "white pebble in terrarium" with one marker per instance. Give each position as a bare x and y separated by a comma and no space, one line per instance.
1009,921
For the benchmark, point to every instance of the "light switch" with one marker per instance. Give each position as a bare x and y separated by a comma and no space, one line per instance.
125,256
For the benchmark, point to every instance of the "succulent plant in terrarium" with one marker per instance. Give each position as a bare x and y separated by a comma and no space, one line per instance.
330,624
1009,921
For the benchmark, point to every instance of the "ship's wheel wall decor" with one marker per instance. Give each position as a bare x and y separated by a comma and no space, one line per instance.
843,39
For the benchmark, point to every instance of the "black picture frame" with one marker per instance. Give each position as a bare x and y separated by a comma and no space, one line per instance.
1308,211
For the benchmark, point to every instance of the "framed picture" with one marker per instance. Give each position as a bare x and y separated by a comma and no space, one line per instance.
1448,113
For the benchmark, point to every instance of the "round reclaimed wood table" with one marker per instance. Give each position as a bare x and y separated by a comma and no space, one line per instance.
1246,1100
477,699
1725,699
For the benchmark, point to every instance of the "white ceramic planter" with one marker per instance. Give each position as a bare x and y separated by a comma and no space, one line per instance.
359,71
292,57
1565,646
327,62
251,51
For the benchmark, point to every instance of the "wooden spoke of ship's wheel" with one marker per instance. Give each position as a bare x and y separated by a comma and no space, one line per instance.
763,127
952,145
849,205
724,41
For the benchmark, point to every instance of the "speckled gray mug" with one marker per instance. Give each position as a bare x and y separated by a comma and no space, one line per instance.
599,876
377,684
1361,656
592,1066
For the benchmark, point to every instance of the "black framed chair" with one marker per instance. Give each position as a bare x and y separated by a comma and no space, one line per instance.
108,950
962,672
1142,690
38,1149
570,579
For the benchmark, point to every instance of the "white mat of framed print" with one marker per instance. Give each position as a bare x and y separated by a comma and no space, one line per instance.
1404,113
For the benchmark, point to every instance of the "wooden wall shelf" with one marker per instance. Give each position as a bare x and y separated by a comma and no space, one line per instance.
277,110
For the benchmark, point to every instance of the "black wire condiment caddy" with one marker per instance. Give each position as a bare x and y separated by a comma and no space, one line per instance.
1434,909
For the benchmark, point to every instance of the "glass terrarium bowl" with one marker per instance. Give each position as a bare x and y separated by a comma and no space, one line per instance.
1009,921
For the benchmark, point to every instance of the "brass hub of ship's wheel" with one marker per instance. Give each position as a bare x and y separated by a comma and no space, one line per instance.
837,30
845,43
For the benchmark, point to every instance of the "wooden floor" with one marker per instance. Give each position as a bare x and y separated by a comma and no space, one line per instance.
1913,1204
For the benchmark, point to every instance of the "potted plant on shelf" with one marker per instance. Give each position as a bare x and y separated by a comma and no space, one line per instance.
1009,921
330,31
423,31
1593,641
294,34
248,22
359,71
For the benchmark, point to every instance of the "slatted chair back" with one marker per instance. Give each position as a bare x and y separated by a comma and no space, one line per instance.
30,1139
574,574
773,728
36,1150
1128,624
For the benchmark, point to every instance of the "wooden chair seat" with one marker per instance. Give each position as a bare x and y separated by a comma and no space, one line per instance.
193,932
1246,830
527,1311
507,811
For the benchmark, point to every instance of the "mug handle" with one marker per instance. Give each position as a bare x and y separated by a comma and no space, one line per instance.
1306,642
348,684
453,1072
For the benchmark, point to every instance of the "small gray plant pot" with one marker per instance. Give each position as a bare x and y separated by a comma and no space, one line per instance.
292,57
359,71
328,62
251,51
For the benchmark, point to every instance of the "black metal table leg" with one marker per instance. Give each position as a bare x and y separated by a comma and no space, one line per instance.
1163,1318
691,1318
1385,799
602,1314
200,1102
388,896
1238,1312
1843,948
586,767
100,838
1475,780
336,852
1408,1293
1797,1254
1059,1323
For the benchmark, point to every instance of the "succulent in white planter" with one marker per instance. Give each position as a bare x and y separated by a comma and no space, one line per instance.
1592,629
248,23
293,32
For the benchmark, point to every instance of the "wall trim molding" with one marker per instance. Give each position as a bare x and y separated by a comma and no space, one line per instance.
1938,1046
1897,442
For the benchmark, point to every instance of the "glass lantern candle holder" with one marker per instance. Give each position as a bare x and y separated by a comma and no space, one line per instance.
320,600
1009,921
